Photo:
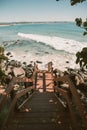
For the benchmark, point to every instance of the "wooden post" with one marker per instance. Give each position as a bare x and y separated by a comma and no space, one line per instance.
50,69
44,83
36,79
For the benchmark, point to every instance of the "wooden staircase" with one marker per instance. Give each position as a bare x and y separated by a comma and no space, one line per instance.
42,112
43,109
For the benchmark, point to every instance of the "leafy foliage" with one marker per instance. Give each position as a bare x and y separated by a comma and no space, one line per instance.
73,2
2,58
79,23
82,58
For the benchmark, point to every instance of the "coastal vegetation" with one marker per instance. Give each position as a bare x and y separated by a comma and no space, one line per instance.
82,24
82,58
2,58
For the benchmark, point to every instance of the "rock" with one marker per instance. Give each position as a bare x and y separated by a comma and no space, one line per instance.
40,62
30,65
37,53
46,52
8,53
67,42
8,70
11,56
18,72
13,63
67,61
31,61
24,63
19,64
18,40
6,44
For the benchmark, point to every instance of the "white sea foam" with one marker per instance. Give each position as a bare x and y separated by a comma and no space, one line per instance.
57,43
59,61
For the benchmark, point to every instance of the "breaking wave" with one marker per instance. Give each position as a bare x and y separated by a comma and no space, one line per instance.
58,43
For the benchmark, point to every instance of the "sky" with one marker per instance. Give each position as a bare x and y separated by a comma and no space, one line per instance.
40,10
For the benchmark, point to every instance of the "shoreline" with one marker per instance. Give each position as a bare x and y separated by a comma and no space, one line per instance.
63,65
4,25
32,22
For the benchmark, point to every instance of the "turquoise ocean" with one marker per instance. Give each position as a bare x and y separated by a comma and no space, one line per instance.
44,42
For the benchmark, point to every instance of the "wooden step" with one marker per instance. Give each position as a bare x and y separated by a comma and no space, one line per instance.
42,112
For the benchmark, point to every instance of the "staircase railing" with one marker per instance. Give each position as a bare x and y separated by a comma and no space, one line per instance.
10,94
5,94
73,101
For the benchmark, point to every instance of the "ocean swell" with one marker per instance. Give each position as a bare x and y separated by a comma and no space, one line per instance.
58,43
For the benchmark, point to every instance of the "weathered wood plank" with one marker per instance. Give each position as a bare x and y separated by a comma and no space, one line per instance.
44,111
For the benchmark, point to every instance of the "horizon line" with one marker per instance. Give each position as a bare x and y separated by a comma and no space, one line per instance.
33,22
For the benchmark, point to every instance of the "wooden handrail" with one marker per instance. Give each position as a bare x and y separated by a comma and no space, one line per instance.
18,95
10,87
14,101
6,93
23,92
63,78
75,95
65,94
77,100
